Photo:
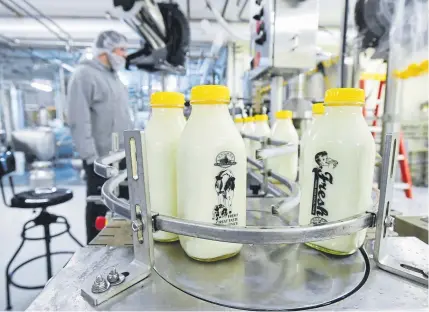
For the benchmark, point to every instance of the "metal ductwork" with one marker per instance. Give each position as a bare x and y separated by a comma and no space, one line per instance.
164,29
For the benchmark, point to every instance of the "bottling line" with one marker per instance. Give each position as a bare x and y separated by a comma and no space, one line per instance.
274,271
128,267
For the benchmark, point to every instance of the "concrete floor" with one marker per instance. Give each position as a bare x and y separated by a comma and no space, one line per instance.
35,273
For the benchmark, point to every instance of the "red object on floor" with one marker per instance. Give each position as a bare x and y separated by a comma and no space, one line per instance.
100,223
405,168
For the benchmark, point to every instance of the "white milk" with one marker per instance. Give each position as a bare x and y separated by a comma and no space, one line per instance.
318,110
239,124
249,129
338,168
283,130
162,136
211,172
261,130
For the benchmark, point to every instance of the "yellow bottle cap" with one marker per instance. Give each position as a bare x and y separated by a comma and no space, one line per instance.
167,100
284,114
261,117
318,109
344,97
210,94
413,70
238,120
248,119
424,66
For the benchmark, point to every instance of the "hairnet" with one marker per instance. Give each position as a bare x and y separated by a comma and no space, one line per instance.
107,41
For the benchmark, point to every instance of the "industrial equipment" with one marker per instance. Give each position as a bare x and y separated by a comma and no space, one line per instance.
283,37
273,271
165,31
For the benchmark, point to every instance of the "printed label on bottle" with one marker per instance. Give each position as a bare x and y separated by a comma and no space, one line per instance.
322,179
223,212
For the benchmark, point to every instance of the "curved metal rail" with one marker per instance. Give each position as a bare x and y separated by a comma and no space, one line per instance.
117,205
264,235
102,165
239,234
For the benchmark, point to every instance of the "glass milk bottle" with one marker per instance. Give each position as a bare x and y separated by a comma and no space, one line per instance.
239,124
211,172
261,130
249,129
283,130
162,136
338,168
318,110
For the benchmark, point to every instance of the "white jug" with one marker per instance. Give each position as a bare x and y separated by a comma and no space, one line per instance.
338,168
249,129
318,110
283,130
261,130
211,172
162,136
239,124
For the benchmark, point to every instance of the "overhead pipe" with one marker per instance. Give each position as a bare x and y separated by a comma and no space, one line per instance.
222,22
48,18
56,34
10,8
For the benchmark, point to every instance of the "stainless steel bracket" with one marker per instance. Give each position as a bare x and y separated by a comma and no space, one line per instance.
396,265
138,210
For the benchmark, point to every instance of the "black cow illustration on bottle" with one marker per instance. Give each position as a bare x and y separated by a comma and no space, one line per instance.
224,186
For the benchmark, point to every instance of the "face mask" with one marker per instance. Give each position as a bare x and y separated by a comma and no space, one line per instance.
116,62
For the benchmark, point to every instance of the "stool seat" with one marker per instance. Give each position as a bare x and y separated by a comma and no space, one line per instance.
41,197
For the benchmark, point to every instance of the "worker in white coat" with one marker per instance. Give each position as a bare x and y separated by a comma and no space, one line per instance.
97,103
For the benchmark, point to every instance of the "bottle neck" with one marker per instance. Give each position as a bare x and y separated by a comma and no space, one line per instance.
286,121
355,110
210,110
170,112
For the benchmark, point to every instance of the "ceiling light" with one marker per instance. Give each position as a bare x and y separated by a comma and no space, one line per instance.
41,86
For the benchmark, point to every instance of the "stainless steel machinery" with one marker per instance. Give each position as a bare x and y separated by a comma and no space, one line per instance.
274,271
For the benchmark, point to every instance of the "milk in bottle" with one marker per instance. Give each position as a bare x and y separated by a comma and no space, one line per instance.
162,136
239,124
283,130
338,168
318,110
261,130
211,172
249,129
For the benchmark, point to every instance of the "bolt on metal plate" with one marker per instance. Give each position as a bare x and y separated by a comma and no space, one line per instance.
114,278
100,285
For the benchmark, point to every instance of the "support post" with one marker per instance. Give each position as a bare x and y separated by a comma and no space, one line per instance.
276,96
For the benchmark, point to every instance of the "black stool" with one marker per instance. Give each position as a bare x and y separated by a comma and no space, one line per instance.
34,199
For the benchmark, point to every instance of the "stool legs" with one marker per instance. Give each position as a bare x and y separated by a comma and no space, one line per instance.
44,219
68,230
8,277
48,250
